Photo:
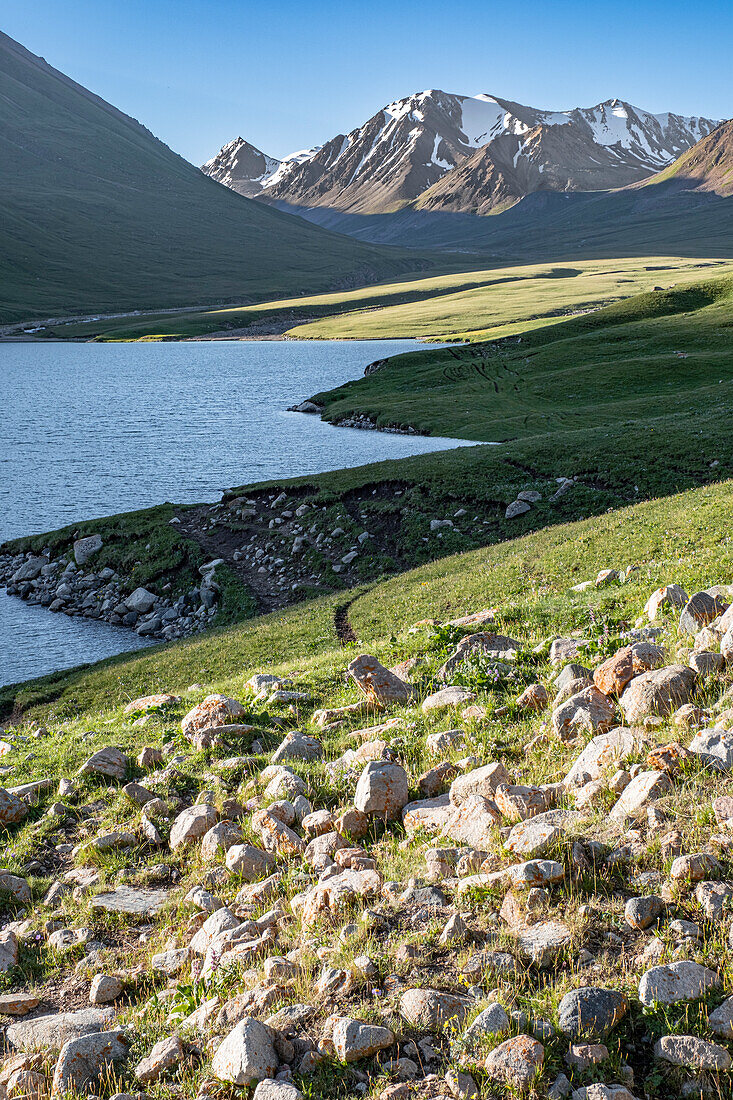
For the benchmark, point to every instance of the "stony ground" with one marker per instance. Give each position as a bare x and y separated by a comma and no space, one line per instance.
500,867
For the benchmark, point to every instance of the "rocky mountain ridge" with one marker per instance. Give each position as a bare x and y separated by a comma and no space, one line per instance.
466,153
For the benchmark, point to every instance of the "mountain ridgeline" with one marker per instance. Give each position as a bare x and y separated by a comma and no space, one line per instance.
468,154
99,215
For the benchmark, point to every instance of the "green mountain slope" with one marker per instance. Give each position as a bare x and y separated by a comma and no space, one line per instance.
98,215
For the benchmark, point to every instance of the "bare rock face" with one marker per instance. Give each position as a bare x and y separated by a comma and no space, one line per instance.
614,674
382,790
215,710
659,692
377,683
590,711
246,1054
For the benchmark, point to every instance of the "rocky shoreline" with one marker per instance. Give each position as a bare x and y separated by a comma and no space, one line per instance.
63,584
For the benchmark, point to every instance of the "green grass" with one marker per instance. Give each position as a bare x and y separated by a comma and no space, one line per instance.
683,538
618,366
100,216
465,304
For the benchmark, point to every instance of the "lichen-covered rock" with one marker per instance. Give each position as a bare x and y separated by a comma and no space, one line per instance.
447,698
432,1010
590,711
354,1039
191,825
658,693
690,1051
246,1054
479,781
215,710
591,1012
644,788
82,1061
677,981
382,790
378,684
516,1062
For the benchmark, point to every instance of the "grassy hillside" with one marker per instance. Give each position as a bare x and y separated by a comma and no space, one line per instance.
468,304
599,868
629,364
98,215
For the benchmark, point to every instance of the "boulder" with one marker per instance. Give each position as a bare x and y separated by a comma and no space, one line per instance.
604,752
541,944
715,747
516,1062
86,548
382,790
659,692
246,1054
667,597
191,825
82,1061
354,1039
614,674
720,1021
641,913
140,601
480,781
591,1012
298,746
487,646
517,803
146,703
692,1052
677,981
378,684
474,822
248,861
215,710
700,610
447,698
589,711
50,1032
432,1010
109,761
165,1055
645,787
428,814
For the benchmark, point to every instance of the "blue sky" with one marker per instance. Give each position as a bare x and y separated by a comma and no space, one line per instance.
287,75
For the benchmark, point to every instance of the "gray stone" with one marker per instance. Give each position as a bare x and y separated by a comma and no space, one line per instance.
133,900
479,781
86,548
699,611
720,1020
12,809
165,1055
516,508
298,746
516,1061
715,746
382,789
50,1032
591,1012
492,1020
677,981
603,752
105,988
109,761
140,601
657,693
191,825
246,1054
82,1061
645,787
688,1050
590,711
542,943
353,1039
270,1089
641,913
431,1010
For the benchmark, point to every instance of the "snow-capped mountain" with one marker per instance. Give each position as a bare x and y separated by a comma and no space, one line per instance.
247,169
459,152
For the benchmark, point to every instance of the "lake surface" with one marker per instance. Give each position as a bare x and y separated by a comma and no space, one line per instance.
89,430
